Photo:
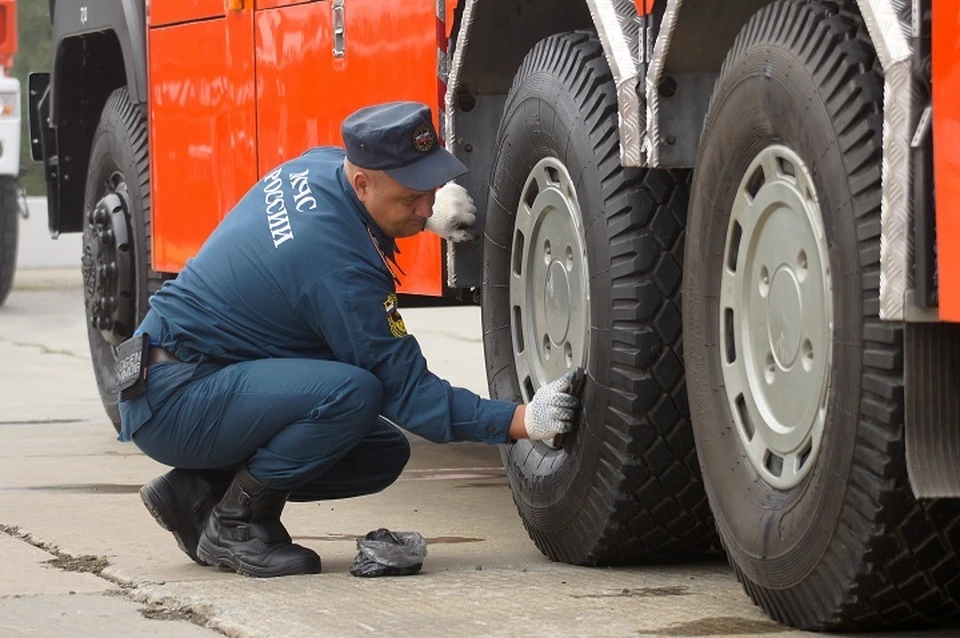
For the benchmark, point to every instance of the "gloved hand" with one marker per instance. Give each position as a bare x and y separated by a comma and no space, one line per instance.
453,213
552,410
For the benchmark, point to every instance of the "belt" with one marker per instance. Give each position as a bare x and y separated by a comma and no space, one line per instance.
159,355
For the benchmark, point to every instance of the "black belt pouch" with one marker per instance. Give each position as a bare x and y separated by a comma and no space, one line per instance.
132,366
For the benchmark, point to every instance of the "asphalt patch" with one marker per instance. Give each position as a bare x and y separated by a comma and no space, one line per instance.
87,564
160,611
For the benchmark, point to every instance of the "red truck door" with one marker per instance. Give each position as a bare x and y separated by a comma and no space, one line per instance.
320,60
202,120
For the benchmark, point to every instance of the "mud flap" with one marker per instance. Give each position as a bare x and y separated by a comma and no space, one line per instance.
932,397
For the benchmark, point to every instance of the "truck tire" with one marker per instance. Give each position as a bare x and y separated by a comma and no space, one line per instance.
796,385
9,233
582,268
118,280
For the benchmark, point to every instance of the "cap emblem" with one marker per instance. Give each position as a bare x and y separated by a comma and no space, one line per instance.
423,138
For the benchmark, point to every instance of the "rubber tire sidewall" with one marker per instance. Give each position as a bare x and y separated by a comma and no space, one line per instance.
114,148
775,537
550,485
9,233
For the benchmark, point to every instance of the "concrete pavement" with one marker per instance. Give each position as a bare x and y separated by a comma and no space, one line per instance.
81,556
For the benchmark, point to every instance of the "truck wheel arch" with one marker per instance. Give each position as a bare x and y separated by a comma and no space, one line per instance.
488,44
105,48
671,140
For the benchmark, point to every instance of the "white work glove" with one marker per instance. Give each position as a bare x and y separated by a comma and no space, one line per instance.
453,213
552,410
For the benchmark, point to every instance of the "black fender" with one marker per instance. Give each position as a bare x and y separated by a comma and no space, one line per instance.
97,46
73,18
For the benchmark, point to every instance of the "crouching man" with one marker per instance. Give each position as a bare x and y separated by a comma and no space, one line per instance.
275,353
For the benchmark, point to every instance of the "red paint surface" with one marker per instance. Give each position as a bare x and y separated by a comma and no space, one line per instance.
946,153
233,97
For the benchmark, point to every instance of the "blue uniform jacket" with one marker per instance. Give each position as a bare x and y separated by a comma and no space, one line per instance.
294,271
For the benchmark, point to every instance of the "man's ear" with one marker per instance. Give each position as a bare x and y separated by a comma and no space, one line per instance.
362,185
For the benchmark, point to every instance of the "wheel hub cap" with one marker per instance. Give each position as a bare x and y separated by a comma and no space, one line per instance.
108,267
776,317
783,304
549,293
557,303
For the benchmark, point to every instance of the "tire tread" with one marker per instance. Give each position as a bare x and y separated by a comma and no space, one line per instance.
9,233
628,516
893,560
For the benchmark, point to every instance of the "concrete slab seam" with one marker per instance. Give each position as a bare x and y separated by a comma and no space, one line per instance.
158,607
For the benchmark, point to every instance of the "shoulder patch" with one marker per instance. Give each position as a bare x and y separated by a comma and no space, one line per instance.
394,320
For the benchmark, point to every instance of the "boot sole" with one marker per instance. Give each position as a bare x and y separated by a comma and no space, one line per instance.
156,500
225,558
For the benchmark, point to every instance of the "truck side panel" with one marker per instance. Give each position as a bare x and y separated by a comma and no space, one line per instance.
202,129
946,153
184,10
276,4
305,91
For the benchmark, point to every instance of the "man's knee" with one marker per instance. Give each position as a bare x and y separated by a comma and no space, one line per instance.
358,397
399,453
391,461
373,470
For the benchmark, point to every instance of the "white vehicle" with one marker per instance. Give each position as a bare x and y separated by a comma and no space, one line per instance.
9,148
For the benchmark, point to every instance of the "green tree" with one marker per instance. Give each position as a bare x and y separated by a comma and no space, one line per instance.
33,18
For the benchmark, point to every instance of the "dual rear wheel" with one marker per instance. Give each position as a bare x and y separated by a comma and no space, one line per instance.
793,383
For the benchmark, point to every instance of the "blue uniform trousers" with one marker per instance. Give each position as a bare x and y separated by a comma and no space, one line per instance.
307,426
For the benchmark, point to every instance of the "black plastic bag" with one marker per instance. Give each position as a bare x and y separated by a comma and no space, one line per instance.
386,553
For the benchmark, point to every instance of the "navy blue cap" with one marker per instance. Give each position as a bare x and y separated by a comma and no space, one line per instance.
399,139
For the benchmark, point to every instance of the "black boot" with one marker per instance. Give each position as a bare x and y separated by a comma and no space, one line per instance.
244,533
181,501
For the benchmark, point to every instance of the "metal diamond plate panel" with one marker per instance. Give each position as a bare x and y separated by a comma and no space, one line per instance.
454,68
661,48
617,27
888,22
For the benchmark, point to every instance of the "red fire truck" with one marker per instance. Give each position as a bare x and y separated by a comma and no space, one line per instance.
738,216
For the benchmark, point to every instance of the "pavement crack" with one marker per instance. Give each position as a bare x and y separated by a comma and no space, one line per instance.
157,607
640,592
161,611
62,560
169,608
45,349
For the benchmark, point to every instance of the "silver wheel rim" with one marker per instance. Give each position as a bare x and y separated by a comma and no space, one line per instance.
549,291
776,317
